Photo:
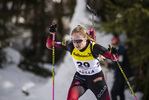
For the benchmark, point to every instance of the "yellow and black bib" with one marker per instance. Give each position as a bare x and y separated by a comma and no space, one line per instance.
84,61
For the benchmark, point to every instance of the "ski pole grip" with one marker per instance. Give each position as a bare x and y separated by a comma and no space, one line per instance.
113,54
110,47
53,23
92,34
92,10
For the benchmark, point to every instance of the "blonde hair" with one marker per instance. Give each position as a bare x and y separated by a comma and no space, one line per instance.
83,32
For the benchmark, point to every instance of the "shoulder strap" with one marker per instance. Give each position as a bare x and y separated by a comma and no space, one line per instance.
91,46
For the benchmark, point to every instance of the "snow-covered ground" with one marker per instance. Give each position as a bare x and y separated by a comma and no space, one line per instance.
13,80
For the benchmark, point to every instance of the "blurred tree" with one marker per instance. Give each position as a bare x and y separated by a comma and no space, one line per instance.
132,18
7,26
36,16
38,21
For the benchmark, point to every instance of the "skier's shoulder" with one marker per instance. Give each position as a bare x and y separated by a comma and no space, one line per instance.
92,44
95,46
98,47
69,45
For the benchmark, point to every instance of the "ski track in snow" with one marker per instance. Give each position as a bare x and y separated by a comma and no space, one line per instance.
13,80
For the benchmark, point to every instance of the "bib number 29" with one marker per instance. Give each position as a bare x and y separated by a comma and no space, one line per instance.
84,64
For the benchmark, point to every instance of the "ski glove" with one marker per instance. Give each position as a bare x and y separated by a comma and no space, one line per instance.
114,51
52,28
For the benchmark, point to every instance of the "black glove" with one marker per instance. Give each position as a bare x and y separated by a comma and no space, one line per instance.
52,28
113,50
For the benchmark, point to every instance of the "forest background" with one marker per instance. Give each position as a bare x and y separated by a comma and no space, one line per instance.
27,21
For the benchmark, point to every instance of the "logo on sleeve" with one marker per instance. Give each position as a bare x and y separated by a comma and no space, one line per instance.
97,79
64,43
77,83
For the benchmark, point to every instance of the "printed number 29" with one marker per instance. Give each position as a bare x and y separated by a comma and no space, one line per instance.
86,64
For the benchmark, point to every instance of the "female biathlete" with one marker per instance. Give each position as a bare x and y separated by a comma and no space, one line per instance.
85,53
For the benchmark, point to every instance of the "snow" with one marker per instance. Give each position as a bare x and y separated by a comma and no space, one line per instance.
13,80
12,56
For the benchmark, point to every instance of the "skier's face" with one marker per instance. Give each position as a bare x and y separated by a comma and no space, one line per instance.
79,41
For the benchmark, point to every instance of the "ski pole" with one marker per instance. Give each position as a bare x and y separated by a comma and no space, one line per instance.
123,73
93,13
53,61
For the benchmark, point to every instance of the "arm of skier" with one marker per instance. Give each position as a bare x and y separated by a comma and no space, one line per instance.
58,45
49,43
98,49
